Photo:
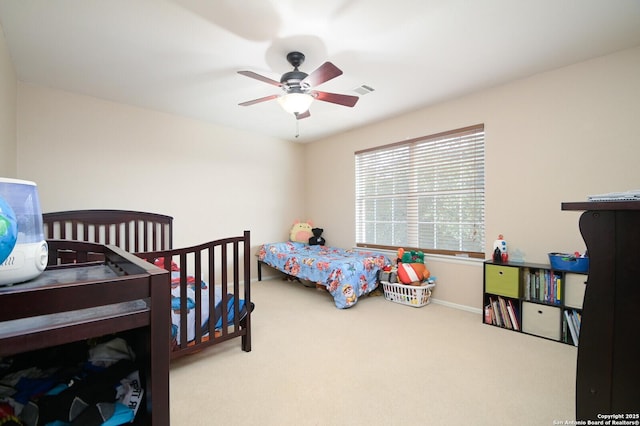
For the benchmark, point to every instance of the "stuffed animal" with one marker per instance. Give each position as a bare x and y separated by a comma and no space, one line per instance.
410,256
317,239
411,267
301,231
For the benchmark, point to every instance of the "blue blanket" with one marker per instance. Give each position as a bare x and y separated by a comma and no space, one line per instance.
205,312
347,274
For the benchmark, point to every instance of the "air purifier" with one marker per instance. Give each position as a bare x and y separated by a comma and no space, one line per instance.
23,249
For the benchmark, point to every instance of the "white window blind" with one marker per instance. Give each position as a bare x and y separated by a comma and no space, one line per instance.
426,193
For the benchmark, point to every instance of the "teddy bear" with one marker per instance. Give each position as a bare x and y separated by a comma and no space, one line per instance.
317,239
411,267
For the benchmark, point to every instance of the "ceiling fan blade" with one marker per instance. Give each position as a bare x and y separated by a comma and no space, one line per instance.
324,72
336,98
305,114
260,77
255,101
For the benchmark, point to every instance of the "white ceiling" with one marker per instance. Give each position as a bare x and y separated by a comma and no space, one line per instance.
182,56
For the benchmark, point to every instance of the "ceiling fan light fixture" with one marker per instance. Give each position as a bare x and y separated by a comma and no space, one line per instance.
295,103
299,88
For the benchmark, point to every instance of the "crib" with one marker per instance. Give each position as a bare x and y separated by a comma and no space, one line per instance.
210,282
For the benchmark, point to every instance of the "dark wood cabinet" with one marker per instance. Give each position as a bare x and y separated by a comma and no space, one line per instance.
119,293
608,364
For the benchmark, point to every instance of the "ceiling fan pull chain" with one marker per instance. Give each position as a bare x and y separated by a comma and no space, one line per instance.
297,126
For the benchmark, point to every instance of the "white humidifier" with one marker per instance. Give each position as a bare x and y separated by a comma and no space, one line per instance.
23,249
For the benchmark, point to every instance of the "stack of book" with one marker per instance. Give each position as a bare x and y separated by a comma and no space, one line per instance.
542,286
503,313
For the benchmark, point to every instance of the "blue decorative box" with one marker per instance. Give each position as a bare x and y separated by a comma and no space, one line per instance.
568,262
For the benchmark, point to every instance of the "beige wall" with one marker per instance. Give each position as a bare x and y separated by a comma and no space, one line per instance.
8,98
557,136
554,137
216,182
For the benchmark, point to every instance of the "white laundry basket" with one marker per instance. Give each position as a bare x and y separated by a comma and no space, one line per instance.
410,295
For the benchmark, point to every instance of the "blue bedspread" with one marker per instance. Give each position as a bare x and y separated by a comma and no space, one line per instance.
347,274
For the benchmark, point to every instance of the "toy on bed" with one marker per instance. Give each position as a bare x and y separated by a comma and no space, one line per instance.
317,239
301,231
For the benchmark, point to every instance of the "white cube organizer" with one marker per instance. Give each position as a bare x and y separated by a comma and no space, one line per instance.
410,295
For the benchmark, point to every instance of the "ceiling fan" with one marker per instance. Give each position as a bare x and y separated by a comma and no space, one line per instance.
299,87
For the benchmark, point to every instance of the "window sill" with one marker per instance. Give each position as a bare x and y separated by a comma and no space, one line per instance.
460,259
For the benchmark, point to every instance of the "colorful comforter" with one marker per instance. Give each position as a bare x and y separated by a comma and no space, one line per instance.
347,274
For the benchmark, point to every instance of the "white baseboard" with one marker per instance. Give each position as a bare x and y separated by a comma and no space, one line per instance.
433,300
457,306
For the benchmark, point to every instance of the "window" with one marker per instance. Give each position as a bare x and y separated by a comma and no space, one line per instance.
426,193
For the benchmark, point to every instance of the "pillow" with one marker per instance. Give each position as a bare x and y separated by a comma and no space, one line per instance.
301,231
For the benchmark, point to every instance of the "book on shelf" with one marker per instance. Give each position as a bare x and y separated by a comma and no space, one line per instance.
513,315
542,285
487,314
547,286
496,312
575,316
505,313
572,329
559,289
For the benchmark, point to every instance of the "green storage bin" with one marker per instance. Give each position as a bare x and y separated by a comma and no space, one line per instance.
502,280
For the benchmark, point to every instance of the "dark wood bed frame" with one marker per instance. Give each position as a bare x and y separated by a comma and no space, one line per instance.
132,231
150,236
214,256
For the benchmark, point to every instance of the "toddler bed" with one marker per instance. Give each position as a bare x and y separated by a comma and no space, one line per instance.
346,274
223,266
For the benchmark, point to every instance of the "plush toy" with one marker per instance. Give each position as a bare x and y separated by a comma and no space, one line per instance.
410,256
317,239
301,231
411,267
